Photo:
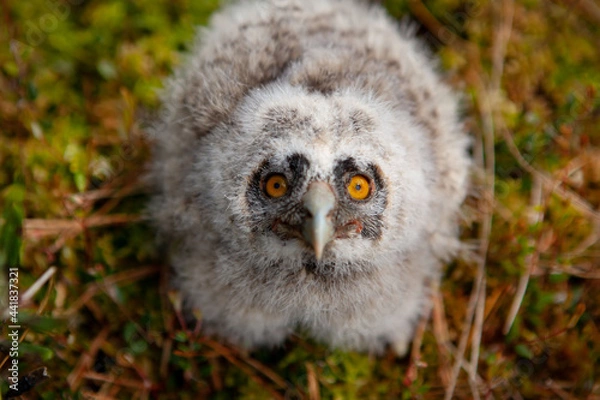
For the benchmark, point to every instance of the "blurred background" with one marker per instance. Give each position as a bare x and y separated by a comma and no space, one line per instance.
518,317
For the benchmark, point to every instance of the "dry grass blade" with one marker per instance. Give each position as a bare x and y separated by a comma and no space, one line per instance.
91,196
585,271
488,95
462,345
585,244
39,228
37,285
313,383
230,356
531,261
557,187
415,352
476,340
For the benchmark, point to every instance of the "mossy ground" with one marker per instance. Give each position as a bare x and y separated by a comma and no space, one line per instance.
79,78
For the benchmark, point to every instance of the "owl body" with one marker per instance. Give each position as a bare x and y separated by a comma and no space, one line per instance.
310,166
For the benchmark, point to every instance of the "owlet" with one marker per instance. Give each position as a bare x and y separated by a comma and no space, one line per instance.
310,165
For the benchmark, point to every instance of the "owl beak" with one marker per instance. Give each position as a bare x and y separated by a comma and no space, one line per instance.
318,228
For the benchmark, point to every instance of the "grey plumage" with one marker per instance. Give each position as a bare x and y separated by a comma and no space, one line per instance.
308,91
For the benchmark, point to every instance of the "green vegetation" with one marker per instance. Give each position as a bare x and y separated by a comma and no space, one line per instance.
78,83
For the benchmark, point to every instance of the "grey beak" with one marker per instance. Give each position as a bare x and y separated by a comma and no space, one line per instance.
318,229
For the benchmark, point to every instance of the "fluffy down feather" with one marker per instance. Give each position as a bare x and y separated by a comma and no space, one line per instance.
314,90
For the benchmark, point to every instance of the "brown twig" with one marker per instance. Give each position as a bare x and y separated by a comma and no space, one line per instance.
442,337
585,271
228,353
215,371
34,228
87,395
94,287
131,383
86,360
436,28
263,369
133,185
558,391
86,199
415,352
167,348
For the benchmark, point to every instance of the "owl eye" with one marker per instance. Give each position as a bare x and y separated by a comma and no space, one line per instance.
276,186
359,187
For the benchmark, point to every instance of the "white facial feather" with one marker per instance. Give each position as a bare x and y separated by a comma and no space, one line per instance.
316,91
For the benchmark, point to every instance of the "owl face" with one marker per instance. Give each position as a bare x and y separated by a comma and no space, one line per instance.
317,180
294,201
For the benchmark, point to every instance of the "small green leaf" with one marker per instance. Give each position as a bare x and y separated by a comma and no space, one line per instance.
524,351
45,353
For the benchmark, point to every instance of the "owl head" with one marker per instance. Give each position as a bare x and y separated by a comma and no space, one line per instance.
314,180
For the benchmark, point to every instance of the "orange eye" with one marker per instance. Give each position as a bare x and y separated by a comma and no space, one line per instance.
359,187
276,186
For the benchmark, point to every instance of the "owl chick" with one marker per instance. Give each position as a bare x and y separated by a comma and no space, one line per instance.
310,166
